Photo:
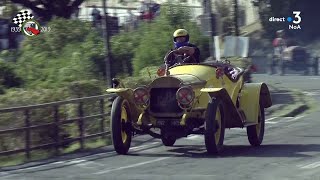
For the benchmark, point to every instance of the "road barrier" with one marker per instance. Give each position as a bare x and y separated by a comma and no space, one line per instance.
54,106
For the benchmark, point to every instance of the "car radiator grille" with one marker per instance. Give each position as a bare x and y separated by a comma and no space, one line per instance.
163,100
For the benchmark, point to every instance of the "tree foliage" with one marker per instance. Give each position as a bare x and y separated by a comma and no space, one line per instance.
70,52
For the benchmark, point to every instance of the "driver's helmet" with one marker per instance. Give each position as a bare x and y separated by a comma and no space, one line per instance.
180,33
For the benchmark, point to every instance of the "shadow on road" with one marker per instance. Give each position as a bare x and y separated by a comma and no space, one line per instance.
270,150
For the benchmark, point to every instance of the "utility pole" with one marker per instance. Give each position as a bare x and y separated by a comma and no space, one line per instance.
105,32
235,4
208,12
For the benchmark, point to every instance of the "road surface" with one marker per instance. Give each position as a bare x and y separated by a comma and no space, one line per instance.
290,150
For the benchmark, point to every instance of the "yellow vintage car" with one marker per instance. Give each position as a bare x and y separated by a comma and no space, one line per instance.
186,99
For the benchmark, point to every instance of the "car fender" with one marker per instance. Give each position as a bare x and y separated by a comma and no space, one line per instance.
127,93
233,117
253,94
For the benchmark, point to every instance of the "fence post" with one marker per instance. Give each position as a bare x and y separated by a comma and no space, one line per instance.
102,128
57,131
80,124
27,133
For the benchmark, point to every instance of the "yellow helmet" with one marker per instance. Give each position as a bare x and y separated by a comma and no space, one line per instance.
179,33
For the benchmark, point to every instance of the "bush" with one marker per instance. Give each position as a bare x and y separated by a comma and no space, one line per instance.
85,88
8,76
145,76
70,52
20,97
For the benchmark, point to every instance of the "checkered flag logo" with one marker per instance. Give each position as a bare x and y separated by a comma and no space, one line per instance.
21,17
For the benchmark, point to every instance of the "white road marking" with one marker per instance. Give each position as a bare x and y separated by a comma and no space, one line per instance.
271,122
194,137
131,166
74,162
3,173
295,118
136,148
312,93
81,159
269,119
311,166
90,165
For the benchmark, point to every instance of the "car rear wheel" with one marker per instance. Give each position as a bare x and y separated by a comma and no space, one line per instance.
121,125
214,127
256,132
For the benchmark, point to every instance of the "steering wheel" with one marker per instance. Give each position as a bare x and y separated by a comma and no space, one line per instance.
176,58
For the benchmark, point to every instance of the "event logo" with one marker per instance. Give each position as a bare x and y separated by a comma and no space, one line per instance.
294,22
27,25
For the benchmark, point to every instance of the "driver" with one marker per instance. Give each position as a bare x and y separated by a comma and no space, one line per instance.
190,53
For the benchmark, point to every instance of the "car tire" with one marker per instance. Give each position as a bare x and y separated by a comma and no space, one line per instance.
214,127
256,132
121,129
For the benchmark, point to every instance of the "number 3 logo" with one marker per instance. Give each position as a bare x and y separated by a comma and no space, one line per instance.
297,16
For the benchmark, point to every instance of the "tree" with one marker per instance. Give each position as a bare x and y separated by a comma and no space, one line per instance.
47,9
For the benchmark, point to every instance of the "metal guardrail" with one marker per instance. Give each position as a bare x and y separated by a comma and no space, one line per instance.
28,127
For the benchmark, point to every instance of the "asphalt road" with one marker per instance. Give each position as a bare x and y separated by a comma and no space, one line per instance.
291,150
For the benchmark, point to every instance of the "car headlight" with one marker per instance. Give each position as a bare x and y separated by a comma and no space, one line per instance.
141,96
185,96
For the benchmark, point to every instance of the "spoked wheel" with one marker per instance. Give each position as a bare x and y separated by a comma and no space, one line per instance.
256,132
214,127
121,125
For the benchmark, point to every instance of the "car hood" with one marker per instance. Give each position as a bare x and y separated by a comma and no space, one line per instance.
178,80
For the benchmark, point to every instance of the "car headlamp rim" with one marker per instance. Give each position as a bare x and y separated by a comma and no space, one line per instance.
188,96
141,100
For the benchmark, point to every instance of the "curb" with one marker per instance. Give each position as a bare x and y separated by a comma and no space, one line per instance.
300,103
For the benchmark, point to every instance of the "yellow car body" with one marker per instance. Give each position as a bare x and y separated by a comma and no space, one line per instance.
218,93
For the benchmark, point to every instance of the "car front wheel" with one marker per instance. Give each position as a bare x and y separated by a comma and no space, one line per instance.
121,125
256,132
214,127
